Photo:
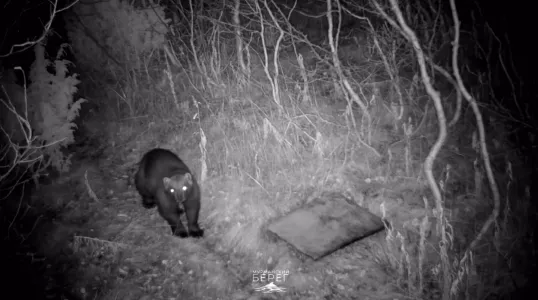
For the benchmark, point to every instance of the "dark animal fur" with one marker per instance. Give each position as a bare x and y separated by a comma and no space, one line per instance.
163,180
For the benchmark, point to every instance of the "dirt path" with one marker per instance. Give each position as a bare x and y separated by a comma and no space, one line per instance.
118,250
88,237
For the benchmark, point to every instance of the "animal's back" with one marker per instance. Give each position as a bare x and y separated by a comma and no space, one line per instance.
157,164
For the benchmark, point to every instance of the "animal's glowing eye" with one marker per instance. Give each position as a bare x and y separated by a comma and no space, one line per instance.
184,188
172,191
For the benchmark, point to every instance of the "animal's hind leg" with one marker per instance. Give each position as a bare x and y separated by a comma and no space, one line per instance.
148,201
170,211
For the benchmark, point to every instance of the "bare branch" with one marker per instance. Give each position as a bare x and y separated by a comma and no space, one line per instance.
481,131
441,138
17,48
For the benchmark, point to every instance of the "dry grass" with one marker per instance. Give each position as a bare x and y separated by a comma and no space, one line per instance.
266,157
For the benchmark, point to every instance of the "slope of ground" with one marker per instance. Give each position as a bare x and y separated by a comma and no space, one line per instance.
100,243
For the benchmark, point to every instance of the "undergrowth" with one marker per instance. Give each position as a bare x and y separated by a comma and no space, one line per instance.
279,118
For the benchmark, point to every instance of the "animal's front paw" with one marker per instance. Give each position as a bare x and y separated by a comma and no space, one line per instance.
196,233
181,233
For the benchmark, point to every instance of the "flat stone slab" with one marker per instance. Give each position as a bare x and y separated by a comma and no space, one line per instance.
325,225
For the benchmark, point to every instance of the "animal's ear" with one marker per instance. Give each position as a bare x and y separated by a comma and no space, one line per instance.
166,181
188,178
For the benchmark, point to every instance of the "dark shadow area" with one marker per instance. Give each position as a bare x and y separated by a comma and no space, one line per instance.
27,271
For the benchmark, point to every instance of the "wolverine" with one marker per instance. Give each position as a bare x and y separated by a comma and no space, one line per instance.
165,181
